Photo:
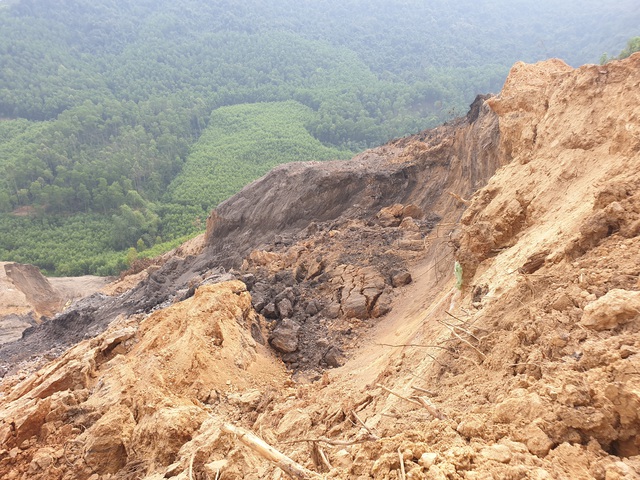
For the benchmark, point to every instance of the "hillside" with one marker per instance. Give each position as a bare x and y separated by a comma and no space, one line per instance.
344,274
110,112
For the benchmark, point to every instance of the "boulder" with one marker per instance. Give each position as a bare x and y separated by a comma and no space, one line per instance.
412,211
285,308
334,357
355,306
284,337
614,308
399,279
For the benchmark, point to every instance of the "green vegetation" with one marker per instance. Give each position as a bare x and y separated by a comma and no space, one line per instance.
62,245
122,123
245,141
633,46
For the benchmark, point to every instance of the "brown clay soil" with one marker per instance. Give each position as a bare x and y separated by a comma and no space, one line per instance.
529,371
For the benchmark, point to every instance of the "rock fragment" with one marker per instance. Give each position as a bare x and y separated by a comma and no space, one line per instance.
284,337
334,357
612,309
399,279
497,453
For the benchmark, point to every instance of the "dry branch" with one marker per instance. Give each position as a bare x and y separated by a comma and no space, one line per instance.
452,330
337,443
459,198
453,316
388,390
403,474
392,415
191,465
412,345
324,458
363,424
422,401
423,390
265,450
461,329
431,408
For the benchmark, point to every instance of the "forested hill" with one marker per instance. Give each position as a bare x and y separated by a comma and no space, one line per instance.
122,122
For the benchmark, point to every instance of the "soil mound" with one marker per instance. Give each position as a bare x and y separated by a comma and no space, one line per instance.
27,297
129,399
26,291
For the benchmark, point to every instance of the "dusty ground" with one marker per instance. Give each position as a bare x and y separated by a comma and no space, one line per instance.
75,288
529,371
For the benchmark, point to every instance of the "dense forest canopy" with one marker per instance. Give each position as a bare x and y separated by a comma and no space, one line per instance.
122,122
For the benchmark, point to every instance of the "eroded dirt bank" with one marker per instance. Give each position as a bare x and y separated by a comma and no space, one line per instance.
26,297
529,371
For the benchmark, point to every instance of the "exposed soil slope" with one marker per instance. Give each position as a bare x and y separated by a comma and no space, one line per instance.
26,297
529,371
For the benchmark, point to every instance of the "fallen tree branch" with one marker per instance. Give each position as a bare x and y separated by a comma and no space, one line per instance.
460,328
452,330
324,458
459,198
412,345
337,443
423,390
388,390
403,474
431,408
265,450
191,465
363,424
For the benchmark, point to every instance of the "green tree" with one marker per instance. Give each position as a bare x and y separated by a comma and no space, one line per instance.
132,256
633,45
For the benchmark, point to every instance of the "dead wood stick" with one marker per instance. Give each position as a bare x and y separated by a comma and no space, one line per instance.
392,415
459,198
459,327
324,458
191,465
336,443
431,408
388,390
403,474
423,390
453,316
363,424
411,345
450,328
436,360
265,450
463,330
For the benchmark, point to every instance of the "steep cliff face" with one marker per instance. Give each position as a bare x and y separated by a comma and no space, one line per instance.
528,371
